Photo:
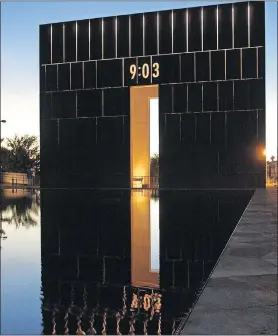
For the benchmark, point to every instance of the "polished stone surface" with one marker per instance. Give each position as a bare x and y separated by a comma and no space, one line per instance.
241,294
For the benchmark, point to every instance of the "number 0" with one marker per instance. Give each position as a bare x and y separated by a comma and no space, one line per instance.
145,70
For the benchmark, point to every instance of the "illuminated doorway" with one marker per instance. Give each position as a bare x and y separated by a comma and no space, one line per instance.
144,136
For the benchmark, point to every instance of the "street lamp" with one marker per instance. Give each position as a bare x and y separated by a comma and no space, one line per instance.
2,121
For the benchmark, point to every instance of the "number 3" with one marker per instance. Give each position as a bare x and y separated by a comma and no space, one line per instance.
155,70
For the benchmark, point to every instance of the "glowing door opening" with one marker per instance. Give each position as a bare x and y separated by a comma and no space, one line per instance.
144,136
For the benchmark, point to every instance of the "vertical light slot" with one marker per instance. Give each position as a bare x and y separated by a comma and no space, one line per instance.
157,31
123,74
180,127
58,131
59,241
233,27
83,79
96,130
202,97
257,60
144,35
225,58
240,63
76,104
154,221
202,27
76,41
209,65
187,30
102,38
187,95
102,103
96,74
217,29
210,127
57,78
172,30
248,22
45,77
194,67
233,95
129,36
173,98
89,39
51,44
70,76
180,68
116,36
217,96
64,48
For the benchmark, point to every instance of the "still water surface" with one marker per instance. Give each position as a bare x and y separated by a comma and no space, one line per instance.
110,262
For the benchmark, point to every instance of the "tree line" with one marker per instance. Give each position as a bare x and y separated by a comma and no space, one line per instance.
19,154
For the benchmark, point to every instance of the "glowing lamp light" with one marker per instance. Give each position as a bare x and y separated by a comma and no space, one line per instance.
138,177
260,153
137,182
264,152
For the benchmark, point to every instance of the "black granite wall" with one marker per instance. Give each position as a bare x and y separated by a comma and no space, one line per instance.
210,65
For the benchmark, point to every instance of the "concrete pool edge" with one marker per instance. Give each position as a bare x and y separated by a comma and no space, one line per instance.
240,296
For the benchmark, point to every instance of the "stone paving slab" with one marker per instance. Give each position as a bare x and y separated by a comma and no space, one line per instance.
241,294
261,320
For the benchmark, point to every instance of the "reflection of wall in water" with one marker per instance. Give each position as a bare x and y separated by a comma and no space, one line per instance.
194,228
85,251
88,239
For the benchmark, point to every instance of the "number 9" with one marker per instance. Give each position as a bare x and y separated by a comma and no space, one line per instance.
132,70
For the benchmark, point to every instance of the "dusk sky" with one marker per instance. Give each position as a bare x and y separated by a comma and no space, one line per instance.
20,55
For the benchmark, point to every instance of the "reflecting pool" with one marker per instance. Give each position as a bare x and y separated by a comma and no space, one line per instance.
110,262
20,263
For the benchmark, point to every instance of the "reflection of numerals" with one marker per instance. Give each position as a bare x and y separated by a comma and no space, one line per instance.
134,303
155,70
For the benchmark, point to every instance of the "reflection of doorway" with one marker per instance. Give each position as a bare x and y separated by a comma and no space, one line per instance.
144,239
154,234
143,129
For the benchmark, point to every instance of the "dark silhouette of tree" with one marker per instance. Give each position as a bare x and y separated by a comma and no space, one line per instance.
4,158
23,154
272,158
154,171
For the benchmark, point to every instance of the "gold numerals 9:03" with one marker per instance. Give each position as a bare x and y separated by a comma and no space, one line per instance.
145,70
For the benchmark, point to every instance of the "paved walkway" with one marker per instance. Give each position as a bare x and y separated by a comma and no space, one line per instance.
241,295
